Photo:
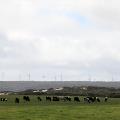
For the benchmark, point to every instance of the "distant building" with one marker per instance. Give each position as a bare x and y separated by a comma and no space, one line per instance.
59,89
3,93
35,91
84,88
44,91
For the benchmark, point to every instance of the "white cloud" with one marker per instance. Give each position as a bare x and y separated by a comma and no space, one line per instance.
43,35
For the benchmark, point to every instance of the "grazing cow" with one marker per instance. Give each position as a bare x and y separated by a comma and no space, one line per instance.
98,100
56,99
6,99
17,100
86,99
26,98
90,99
76,99
39,99
106,99
3,99
67,98
48,98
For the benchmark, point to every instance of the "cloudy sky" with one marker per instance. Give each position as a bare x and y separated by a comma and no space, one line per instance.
60,39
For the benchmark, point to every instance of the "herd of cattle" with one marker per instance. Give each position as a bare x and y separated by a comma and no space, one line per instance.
59,98
63,98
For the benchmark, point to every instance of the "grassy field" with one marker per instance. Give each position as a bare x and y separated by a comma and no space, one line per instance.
59,110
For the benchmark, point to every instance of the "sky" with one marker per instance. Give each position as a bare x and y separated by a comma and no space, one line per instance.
67,40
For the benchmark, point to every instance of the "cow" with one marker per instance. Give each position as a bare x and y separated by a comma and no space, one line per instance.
39,99
17,100
90,99
67,98
86,99
48,98
98,100
106,99
76,99
3,99
56,98
26,98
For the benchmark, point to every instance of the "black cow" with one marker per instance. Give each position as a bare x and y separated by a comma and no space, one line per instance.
48,98
26,98
39,99
76,99
67,98
56,99
17,100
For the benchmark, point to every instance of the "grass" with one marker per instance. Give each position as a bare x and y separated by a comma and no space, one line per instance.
59,110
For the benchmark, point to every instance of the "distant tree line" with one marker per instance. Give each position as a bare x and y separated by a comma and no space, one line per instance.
81,91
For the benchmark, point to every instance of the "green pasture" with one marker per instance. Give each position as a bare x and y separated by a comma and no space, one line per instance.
60,110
